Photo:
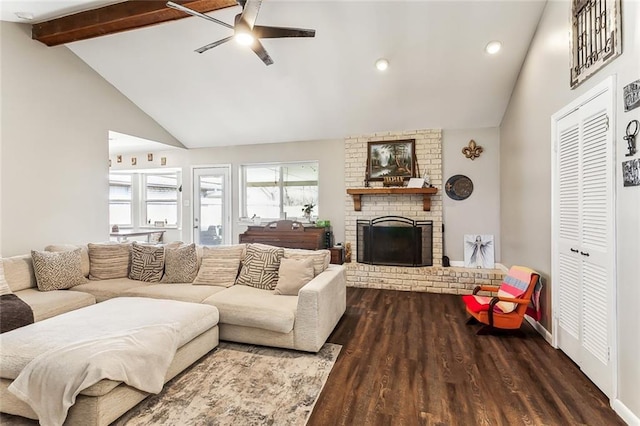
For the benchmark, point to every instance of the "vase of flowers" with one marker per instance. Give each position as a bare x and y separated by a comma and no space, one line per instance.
307,209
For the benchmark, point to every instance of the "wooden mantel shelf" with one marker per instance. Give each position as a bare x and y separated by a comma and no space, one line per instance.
357,193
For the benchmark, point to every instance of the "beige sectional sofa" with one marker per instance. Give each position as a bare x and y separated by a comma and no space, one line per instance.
243,313
247,314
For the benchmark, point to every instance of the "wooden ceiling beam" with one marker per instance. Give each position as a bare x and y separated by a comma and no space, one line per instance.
116,18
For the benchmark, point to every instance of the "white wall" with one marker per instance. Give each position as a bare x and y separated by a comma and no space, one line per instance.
541,90
328,153
480,213
55,122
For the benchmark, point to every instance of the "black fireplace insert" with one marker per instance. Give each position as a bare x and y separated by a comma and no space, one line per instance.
395,241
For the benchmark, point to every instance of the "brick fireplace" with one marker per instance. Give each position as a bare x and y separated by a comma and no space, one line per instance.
437,279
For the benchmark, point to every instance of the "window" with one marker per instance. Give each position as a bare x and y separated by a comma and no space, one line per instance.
161,199
120,193
272,191
144,199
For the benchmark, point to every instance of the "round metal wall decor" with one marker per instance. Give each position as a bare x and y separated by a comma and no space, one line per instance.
458,187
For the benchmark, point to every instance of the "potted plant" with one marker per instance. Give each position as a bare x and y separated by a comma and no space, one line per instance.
307,209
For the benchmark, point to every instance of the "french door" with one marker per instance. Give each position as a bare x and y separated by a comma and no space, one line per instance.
212,205
583,235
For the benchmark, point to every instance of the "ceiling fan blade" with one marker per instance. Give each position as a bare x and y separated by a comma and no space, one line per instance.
214,44
191,12
250,12
260,31
261,52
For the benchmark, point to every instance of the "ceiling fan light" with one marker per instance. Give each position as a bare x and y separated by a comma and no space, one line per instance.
382,64
244,39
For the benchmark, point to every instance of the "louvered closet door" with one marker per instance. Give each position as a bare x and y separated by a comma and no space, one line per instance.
596,246
584,235
568,216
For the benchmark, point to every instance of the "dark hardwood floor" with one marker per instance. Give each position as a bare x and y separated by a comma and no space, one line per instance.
410,359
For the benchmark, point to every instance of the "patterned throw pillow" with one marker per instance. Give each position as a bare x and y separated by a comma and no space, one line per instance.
220,265
147,263
57,271
260,266
107,261
4,285
180,264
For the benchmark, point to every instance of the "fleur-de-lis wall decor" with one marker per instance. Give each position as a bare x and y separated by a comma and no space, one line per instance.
473,150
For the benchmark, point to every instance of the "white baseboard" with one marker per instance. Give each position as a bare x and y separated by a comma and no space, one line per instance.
540,329
625,414
460,264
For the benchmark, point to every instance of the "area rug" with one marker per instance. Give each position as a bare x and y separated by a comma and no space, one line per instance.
240,384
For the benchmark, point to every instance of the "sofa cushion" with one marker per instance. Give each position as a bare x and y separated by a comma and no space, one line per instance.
69,247
106,289
293,275
47,304
108,261
321,258
14,313
252,307
220,265
4,285
147,263
182,292
57,270
18,271
260,266
180,264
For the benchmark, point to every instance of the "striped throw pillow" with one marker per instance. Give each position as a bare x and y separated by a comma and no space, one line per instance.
260,266
107,261
4,285
147,263
220,265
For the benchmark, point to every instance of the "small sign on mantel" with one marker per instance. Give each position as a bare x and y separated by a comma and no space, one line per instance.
415,183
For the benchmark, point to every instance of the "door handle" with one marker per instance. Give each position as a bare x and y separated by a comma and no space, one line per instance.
574,250
584,254
196,227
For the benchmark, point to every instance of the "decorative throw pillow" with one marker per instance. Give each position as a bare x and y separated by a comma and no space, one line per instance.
57,270
180,264
14,313
107,261
147,263
321,258
220,265
68,247
260,266
293,275
4,285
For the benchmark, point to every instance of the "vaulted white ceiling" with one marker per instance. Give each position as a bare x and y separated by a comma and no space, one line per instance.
324,87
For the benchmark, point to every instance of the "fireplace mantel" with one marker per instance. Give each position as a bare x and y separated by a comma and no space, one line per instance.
357,193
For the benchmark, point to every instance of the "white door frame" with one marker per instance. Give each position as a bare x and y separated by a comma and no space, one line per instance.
226,200
607,85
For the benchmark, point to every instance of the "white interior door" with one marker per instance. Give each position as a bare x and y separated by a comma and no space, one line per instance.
212,205
568,236
583,237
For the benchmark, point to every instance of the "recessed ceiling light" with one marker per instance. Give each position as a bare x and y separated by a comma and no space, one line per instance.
28,16
493,47
382,64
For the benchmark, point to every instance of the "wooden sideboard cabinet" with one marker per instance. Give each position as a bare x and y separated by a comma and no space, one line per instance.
288,233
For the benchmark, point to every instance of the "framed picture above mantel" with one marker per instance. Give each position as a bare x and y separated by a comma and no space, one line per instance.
391,159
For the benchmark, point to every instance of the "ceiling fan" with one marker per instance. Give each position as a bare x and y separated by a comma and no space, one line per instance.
244,29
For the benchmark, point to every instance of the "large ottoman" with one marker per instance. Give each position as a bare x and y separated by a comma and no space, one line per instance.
107,400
